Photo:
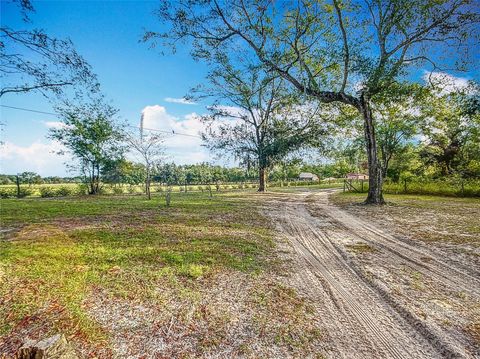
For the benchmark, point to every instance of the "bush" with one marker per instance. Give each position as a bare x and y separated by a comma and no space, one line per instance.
104,190
117,189
46,192
24,192
81,190
64,191
6,192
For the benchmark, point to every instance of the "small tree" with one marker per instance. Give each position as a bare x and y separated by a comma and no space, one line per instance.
121,171
90,134
265,122
169,174
150,150
30,178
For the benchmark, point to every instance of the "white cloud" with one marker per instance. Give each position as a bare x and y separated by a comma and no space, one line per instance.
445,83
54,124
183,143
182,101
38,157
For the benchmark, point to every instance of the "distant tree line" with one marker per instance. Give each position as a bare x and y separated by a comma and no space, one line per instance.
32,178
124,172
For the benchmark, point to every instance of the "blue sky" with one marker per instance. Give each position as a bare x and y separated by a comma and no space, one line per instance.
133,76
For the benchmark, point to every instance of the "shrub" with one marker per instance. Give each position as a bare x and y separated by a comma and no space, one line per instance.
6,192
104,190
24,192
81,190
64,191
117,190
46,192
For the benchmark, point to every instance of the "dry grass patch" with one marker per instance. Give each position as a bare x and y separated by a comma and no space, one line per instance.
425,218
360,248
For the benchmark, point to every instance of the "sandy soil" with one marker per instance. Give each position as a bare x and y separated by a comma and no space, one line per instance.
377,295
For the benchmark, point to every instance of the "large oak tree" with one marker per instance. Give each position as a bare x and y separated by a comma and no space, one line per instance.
336,51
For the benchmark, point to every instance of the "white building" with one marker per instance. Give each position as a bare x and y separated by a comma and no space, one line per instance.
307,176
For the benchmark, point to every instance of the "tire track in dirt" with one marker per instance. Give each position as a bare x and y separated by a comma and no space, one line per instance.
352,305
438,268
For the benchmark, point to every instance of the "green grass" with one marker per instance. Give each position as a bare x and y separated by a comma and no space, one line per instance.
302,187
419,200
74,189
446,187
64,250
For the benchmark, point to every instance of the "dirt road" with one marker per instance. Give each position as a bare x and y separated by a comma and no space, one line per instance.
364,306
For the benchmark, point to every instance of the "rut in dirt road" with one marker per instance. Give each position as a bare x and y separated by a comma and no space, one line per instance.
442,269
360,320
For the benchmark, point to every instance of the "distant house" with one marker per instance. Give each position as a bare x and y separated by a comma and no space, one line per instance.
356,176
307,176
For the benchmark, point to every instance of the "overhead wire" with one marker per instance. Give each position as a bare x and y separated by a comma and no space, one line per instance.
172,132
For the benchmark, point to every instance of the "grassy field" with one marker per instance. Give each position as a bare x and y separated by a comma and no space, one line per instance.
446,187
74,189
72,265
450,187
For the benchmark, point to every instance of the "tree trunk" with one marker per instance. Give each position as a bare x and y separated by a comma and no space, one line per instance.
375,180
262,175
18,186
147,185
92,180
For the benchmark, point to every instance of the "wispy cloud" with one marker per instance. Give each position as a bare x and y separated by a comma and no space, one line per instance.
445,83
181,149
54,124
182,101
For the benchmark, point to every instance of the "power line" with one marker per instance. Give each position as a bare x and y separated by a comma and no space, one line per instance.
172,132
29,110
